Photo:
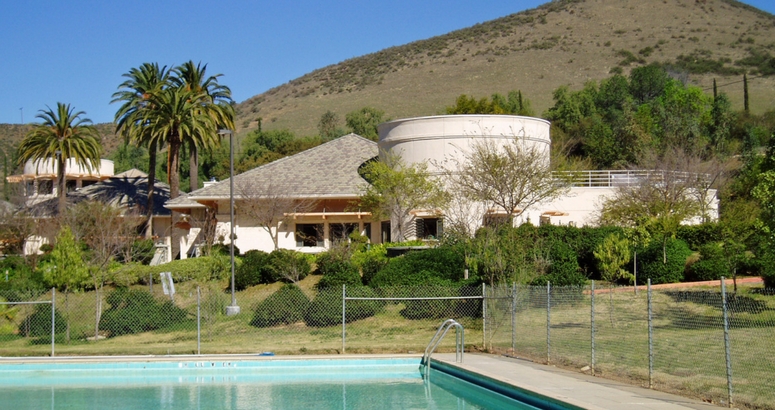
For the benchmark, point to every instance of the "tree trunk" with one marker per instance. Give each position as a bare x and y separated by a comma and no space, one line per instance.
151,186
193,171
62,185
173,166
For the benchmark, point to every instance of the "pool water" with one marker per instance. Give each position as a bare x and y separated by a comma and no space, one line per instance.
261,384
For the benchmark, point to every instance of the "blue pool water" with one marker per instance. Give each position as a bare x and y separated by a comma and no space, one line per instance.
244,384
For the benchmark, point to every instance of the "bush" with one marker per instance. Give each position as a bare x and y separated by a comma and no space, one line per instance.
135,311
768,269
38,324
284,307
432,309
564,268
651,263
288,266
255,268
422,267
711,266
337,272
23,283
202,269
223,250
326,308
370,261
698,235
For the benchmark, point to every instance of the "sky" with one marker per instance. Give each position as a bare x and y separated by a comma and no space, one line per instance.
76,51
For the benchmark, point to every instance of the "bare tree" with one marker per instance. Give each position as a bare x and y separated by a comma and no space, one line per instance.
108,232
267,204
512,176
671,193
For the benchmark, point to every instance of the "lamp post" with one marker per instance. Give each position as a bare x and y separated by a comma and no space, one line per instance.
233,309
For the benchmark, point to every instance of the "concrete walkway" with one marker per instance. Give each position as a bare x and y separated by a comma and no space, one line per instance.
578,389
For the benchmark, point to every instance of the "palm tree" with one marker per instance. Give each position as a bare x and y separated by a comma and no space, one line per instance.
143,82
63,135
217,104
177,116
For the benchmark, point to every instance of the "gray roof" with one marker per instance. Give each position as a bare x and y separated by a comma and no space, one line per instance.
121,192
329,170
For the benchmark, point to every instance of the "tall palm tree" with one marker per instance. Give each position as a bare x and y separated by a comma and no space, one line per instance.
178,115
217,104
63,135
141,83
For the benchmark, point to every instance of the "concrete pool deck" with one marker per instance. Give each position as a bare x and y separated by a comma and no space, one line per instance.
574,388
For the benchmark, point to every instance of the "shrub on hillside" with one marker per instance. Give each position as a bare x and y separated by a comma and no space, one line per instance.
712,264
136,311
419,267
326,308
370,261
768,269
202,269
38,324
255,269
23,283
338,273
288,265
284,307
652,265
696,236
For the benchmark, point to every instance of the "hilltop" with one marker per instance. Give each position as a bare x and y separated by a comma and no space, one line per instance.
563,42
567,42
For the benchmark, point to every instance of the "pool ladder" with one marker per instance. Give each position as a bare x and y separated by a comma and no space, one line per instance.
443,329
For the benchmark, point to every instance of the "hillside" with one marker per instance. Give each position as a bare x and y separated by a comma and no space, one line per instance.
564,42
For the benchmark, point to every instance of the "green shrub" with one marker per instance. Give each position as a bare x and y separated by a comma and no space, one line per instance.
288,265
326,308
651,264
370,261
38,324
284,307
135,311
768,269
432,309
698,235
202,269
422,267
338,273
23,283
563,269
255,268
711,266
223,250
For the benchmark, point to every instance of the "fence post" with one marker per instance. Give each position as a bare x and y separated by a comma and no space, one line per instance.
53,318
514,318
484,316
150,283
198,322
727,350
548,322
344,326
592,324
651,339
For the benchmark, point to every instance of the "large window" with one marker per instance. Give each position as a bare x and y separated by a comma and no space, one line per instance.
45,187
338,232
429,228
309,235
385,227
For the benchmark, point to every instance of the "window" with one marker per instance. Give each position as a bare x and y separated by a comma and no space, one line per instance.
367,230
430,228
385,231
45,187
71,185
309,235
338,232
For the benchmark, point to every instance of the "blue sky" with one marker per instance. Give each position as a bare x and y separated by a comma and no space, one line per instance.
76,51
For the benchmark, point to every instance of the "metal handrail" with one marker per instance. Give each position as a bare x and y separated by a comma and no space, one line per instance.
459,343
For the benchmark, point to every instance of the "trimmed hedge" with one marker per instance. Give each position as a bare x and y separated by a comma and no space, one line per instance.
136,311
39,322
421,268
711,266
255,269
651,263
326,308
338,272
284,307
202,269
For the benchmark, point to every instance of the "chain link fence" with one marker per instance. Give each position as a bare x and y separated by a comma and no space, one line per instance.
704,342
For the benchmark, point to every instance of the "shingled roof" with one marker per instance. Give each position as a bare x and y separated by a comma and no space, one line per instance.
329,170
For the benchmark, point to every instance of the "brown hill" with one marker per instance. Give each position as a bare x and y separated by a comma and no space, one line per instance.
562,42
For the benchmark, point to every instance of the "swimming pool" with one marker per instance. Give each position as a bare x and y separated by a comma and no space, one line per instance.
277,383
